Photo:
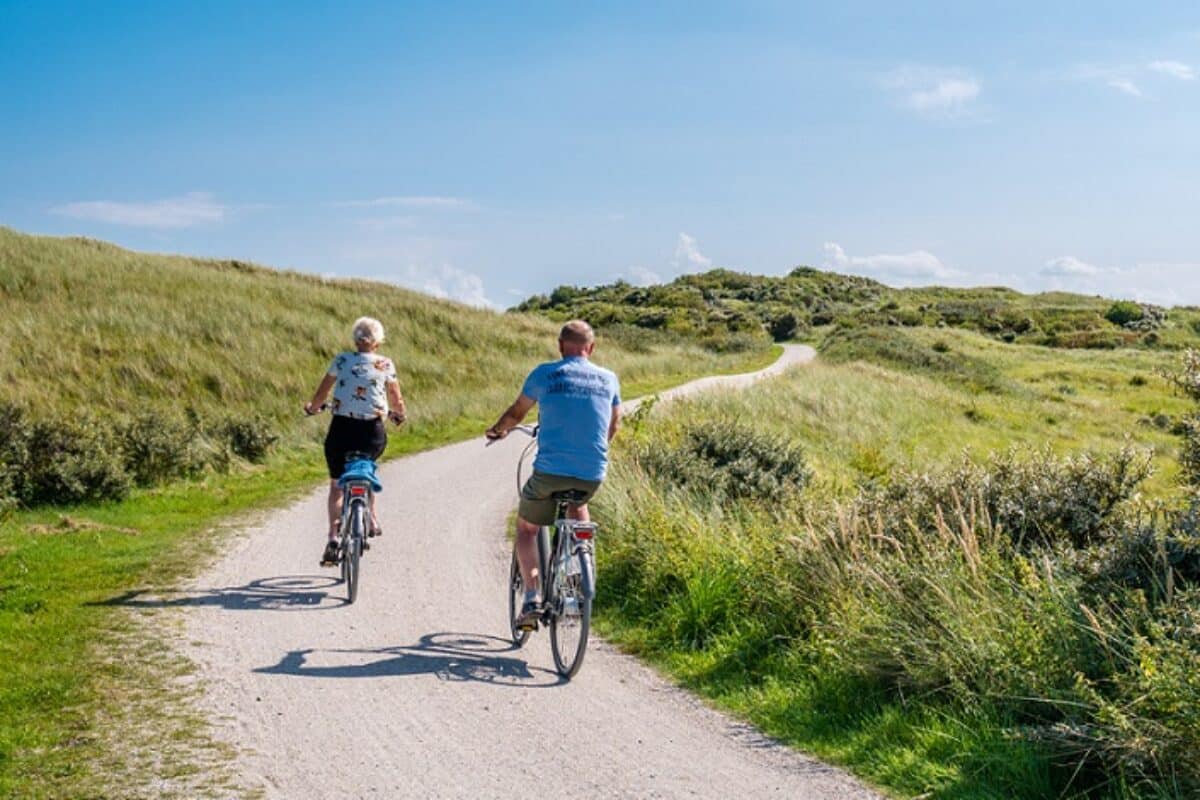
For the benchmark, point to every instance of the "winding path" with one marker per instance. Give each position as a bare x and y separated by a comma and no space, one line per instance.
420,670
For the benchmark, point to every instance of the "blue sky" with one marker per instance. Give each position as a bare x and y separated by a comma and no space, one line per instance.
489,151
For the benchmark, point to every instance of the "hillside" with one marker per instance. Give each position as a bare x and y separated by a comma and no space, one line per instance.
731,310
90,326
177,365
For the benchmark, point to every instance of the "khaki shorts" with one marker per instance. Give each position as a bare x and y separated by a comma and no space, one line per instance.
537,504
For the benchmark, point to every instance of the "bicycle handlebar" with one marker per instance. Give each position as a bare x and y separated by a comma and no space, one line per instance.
395,417
529,430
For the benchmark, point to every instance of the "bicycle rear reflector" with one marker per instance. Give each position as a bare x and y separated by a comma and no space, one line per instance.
583,533
358,491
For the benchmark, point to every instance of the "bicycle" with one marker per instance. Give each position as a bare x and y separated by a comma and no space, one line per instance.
567,574
359,482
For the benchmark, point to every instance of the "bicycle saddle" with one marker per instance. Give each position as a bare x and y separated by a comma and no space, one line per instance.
573,496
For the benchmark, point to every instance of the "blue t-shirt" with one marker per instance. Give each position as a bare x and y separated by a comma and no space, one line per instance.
577,400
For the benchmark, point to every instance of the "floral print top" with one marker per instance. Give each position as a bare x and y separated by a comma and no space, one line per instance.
360,391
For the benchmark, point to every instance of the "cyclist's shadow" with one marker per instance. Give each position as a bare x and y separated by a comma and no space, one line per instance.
448,656
280,593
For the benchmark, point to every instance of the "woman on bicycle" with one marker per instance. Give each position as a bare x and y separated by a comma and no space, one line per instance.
365,390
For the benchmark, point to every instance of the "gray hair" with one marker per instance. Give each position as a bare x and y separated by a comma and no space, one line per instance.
368,330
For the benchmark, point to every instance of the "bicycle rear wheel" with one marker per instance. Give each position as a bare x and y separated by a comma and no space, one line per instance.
571,620
350,559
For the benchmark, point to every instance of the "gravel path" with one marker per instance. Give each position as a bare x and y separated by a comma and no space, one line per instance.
420,673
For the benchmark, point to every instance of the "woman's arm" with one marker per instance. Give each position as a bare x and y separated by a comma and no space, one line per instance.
396,403
318,398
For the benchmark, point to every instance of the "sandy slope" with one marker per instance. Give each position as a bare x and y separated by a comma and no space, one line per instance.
419,674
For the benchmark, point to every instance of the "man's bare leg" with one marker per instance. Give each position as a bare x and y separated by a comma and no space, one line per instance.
527,554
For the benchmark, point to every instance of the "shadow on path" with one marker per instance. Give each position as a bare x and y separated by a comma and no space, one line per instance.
449,656
282,593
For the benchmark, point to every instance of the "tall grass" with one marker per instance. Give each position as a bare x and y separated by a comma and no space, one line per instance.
1020,623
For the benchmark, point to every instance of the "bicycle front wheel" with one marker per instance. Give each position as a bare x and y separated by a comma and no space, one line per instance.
572,619
516,597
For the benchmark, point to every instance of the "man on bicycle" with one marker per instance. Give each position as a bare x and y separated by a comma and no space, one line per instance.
580,411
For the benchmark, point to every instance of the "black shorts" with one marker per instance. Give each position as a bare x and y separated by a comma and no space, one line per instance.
349,435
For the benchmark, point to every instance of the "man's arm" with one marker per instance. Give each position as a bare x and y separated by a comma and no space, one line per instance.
615,422
510,418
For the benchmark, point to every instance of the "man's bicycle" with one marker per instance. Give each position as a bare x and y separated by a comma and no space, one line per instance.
567,573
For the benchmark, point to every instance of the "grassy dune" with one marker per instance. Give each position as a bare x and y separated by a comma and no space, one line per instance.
88,329
88,326
936,659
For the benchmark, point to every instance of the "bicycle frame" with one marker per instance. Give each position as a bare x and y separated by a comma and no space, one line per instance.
572,545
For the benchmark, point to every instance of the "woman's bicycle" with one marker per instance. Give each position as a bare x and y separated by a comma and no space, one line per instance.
567,573
358,482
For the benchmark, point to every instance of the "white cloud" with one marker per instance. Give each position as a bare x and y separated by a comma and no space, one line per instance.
1175,69
688,257
1125,85
386,223
434,202
1129,79
449,283
640,276
186,211
1165,283
934,92
1069,266
902,268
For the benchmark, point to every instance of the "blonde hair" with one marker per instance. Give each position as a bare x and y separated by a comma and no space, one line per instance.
368,331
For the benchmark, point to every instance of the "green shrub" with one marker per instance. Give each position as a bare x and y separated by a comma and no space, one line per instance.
250,438
1189,449
1035,497
74,462
729,460
64,461
784,327
1157,561
732,343
14,457
158,448
1123,312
